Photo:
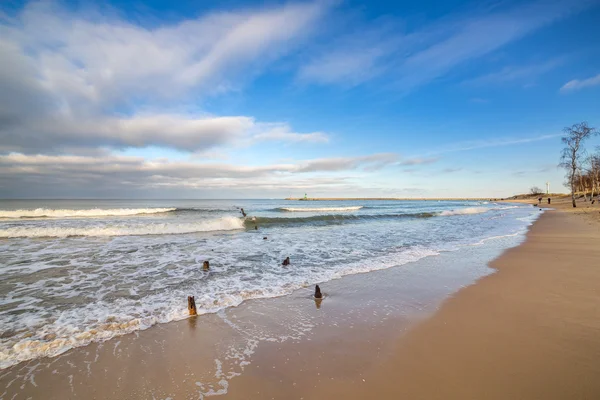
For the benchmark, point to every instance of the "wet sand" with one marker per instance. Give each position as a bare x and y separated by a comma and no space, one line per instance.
529,331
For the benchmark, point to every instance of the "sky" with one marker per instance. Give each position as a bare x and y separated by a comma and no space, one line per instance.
239,99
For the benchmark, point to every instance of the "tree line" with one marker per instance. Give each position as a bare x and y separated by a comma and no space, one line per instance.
582,169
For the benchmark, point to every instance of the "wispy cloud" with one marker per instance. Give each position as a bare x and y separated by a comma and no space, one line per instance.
368,163
415,58
576,84
499,142
283,133
354,58
451,170
418,161
515,73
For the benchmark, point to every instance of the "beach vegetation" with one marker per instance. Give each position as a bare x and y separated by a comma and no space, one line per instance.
535,190
573,155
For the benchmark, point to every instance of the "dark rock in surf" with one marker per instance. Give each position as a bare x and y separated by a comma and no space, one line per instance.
265,238
318,294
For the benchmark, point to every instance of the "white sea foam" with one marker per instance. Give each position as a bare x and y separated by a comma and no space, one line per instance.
321,209
101,321
171,228
95,212
465,211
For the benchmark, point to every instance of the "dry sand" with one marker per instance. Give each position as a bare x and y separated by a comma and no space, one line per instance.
529,331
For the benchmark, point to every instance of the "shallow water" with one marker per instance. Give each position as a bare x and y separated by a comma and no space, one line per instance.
74,272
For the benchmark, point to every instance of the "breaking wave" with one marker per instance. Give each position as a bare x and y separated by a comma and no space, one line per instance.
95,212
219,224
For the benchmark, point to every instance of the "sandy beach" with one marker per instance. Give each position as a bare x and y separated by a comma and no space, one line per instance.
531,330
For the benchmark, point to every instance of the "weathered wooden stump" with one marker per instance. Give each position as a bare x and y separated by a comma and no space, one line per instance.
205,265
192,305
318,294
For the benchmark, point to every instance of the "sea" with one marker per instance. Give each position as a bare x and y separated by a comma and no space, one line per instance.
73,272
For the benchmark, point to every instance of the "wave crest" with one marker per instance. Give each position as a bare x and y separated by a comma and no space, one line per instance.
95,212
219,224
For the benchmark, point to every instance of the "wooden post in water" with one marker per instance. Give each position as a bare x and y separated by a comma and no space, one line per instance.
192,305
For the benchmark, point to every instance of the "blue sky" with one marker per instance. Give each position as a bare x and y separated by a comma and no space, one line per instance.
238,99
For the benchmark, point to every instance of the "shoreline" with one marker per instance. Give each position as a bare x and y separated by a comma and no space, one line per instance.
390,341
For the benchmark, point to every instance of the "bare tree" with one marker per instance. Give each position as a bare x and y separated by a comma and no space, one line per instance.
592,175
535,190
573,152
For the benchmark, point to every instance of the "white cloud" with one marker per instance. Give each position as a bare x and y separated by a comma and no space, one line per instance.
576,84
282,132
104,60
182,132
69,80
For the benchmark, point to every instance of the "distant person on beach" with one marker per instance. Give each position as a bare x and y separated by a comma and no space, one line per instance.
540,200
548,200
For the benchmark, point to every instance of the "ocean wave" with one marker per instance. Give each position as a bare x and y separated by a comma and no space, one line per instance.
329,219
465,211
219,224
319,209
94,212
